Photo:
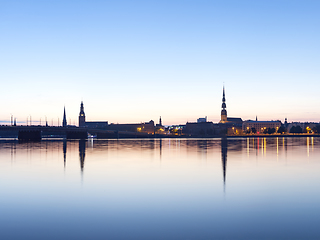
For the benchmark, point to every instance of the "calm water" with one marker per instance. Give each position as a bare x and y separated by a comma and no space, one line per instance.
161,189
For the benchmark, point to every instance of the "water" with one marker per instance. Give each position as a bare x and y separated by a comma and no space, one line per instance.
266,188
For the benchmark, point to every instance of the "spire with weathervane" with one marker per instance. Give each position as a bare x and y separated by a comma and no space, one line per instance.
223,111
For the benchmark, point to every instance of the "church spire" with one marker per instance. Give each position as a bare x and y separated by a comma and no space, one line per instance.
82,116
223,106
64,121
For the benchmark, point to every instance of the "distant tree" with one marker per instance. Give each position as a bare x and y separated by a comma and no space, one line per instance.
296,129
299,129
293,129
282,130
316,128
253,130
271,130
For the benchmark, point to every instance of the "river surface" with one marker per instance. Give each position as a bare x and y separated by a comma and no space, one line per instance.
257,188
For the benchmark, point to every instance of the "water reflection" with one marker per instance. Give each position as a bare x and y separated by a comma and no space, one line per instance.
64,152
82,153
126,187
160,148
224,151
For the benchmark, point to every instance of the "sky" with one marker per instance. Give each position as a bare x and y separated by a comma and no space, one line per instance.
133,61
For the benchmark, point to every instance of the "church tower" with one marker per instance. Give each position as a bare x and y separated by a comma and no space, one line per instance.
82,116
64,121
223,111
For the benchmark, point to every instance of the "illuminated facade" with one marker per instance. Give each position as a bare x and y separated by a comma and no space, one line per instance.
260,126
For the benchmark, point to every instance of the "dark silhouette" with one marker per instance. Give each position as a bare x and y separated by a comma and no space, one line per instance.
271,130
316,129
296,129
82,153
29,135
64,152
64,121
282,130
82,116
224,151
160,145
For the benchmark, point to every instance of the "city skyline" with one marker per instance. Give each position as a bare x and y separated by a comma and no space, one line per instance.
133,62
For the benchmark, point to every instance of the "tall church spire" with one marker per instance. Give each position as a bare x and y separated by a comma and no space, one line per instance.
223,106
64,121
82,116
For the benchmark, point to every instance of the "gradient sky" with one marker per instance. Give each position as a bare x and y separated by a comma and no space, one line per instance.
132,61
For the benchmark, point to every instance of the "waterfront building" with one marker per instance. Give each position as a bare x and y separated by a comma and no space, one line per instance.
199,128
82,116
224,116
159,129
147,127
229,125
260,126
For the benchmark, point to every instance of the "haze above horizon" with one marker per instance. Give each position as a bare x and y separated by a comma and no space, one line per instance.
133,61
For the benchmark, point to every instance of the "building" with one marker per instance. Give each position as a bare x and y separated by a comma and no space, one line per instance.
224,115
159,128
147,127
260,126
199,129
200,120
229,125
82,116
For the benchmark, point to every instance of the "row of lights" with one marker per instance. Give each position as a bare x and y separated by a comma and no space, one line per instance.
13,121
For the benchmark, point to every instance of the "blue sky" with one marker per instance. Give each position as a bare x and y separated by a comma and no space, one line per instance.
132,61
